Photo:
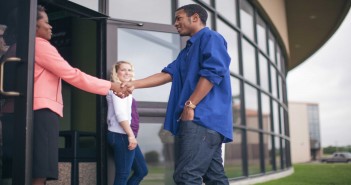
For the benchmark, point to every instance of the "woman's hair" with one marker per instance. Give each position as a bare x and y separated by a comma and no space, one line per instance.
115,67
40,9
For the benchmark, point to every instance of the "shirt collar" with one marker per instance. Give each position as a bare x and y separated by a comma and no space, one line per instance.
197,35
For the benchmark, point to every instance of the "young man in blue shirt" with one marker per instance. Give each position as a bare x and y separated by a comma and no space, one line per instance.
199,110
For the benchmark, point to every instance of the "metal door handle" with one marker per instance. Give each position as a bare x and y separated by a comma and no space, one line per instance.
7,93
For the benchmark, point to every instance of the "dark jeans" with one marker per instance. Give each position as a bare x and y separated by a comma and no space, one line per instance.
126,160
198,156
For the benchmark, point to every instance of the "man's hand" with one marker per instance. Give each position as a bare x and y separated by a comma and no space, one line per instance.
120,91
187,114
129,86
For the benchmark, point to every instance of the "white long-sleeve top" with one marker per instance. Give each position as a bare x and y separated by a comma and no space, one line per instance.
118,110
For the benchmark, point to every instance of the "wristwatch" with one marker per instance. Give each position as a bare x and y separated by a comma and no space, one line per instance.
190,104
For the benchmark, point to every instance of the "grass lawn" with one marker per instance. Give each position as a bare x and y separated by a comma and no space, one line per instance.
316,174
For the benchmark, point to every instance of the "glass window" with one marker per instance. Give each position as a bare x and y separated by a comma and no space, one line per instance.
251,106
235,85
278,62
261,34
157,145
246,19
267,145
266,113
249,63
142,10
263,63
276,117
280,84
231,37
233,164
227,8
253,152
282,120
271,41
277,153
91,4
154,51
274,82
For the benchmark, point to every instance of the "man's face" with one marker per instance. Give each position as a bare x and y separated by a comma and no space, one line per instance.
183,23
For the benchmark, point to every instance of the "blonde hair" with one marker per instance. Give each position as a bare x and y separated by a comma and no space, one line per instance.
115,67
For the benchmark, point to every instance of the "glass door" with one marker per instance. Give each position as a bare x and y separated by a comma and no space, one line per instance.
17,32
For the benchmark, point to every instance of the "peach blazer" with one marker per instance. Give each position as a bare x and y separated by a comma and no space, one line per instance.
49,69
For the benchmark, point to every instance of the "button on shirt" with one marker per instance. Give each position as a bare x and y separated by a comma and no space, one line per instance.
204,56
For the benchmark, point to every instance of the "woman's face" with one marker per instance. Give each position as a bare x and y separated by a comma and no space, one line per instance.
44,29
125,72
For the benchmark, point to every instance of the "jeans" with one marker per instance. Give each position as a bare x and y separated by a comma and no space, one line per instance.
126,160
198,156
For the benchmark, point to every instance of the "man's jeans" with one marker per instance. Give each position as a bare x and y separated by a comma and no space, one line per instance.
126,160
198,156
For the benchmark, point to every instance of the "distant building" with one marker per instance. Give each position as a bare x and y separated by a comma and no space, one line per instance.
305,137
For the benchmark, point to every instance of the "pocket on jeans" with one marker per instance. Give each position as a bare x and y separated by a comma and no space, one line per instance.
213,138
187,127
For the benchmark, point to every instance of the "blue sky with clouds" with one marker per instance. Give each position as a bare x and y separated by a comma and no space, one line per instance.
325,78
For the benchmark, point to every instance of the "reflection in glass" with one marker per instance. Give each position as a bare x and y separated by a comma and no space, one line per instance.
227,8
157,145
263,63
261,34
233,164
235,85
253,152
153,52
246,19
92,4
231,37
282,120
266,113
142,10
267,145
274,82
278,61
280,83
277,153
249,63
251,107
275,117
271,46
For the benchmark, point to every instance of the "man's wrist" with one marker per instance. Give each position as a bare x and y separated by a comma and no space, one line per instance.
190,104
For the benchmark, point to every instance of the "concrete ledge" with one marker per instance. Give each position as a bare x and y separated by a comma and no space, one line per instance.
263,178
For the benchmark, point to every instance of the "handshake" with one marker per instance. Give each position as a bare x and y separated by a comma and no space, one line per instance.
123,89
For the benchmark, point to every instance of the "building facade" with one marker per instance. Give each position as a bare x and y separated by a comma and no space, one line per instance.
264,43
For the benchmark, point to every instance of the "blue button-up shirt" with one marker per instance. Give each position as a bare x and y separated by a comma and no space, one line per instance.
204,56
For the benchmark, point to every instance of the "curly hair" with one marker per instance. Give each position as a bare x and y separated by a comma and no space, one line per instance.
115,67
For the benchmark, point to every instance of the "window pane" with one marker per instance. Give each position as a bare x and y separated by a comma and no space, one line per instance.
233,164
267,144
231,37
280,83
157,145
275,117
235,85
227,8
246,19
145,60
282,120
266,113
264,73
142,10
278,62
91,4
251,105
277,153
271,47
274,82
261,34
253,152
249,63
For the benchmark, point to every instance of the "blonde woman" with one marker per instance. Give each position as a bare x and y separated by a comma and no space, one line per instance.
123,125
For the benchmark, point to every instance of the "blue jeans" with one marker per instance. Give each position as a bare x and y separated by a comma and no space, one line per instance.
198,156
126,160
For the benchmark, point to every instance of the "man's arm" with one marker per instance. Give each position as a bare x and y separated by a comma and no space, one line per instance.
151,81
203,87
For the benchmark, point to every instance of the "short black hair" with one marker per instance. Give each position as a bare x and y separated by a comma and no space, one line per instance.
191,9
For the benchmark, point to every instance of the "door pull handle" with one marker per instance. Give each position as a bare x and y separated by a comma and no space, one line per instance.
2,66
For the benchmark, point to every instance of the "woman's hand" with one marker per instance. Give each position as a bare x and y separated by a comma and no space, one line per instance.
132,143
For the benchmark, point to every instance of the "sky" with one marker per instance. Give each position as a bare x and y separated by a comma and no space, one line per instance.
325,78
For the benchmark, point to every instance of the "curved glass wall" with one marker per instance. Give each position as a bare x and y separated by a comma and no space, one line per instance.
261,142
